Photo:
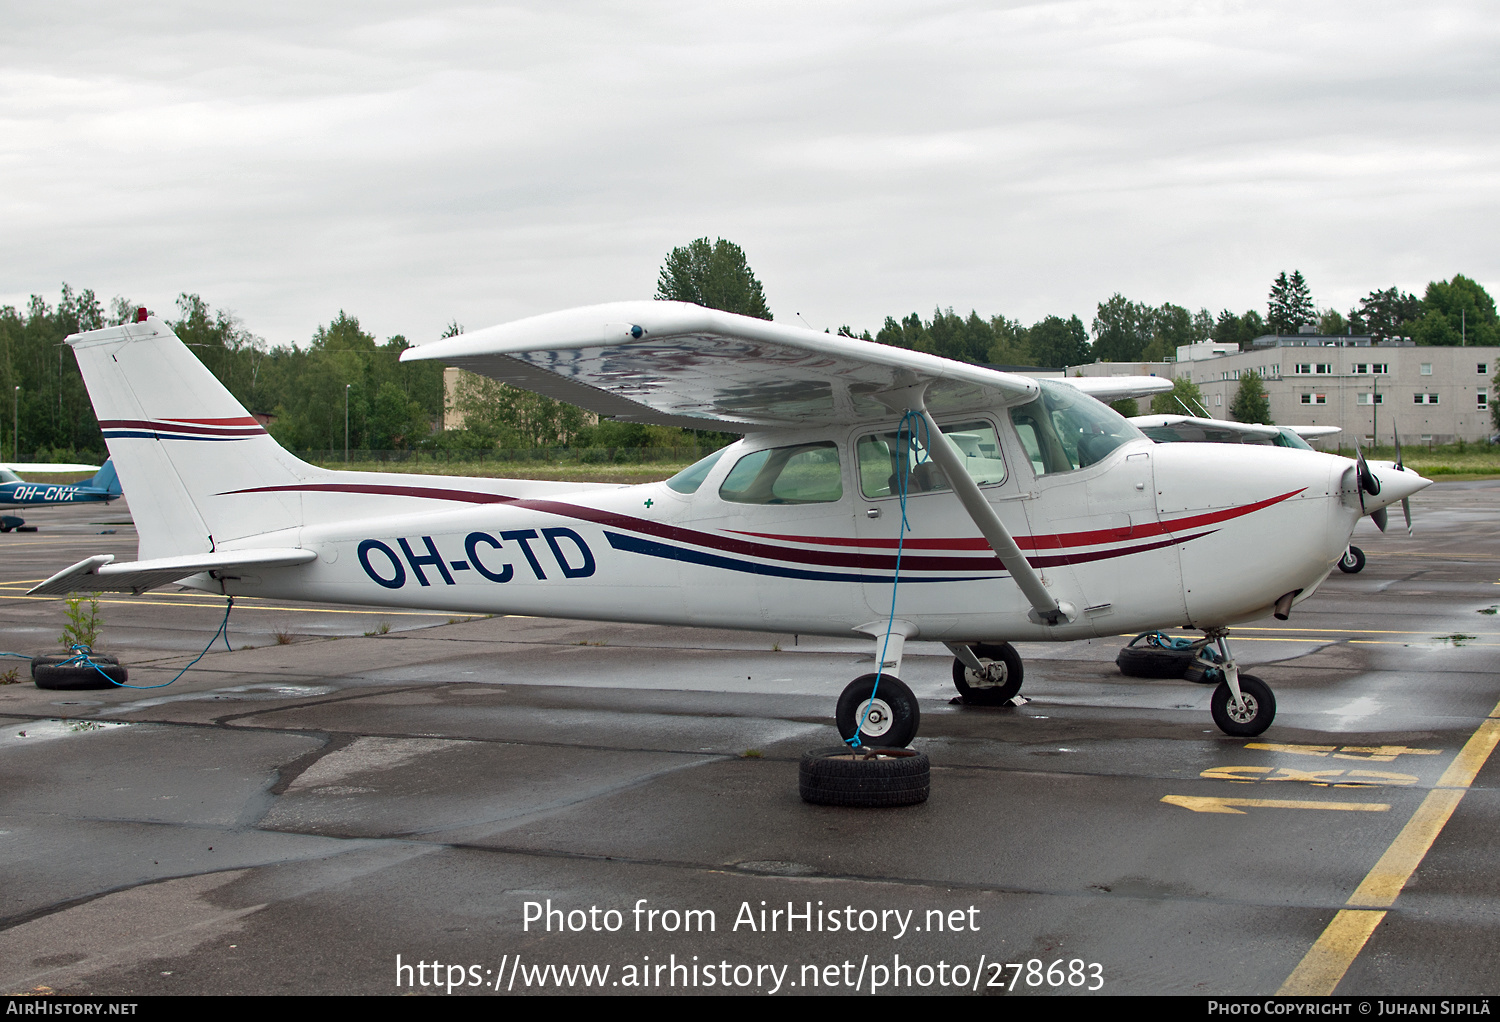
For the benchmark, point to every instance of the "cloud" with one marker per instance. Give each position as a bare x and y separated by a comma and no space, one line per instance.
487,162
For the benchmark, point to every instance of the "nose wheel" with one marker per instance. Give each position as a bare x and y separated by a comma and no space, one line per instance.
1242,705
1353,561
884,715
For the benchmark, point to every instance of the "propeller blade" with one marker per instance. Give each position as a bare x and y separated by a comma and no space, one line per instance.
1368,481
1406,510
1400,465
1379,518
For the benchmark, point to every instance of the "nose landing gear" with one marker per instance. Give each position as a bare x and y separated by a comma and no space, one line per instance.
1353,561
1242,705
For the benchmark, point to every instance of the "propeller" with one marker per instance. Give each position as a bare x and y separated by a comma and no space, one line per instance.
1401,467
1368,483
1378,517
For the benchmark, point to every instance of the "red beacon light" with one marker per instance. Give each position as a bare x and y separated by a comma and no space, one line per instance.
140,314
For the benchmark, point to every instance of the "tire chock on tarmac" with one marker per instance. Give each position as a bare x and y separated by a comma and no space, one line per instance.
867,778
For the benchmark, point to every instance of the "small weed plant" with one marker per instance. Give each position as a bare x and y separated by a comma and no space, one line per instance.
83,621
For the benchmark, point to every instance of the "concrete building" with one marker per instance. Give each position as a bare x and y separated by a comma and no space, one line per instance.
1432,395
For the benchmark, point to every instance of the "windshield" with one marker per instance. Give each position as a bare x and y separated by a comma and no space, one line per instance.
1065,429
1289,438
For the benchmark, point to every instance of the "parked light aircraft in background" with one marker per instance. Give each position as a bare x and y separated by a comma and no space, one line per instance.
1035,511
16,492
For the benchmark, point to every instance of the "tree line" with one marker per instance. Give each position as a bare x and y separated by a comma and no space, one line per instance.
302,389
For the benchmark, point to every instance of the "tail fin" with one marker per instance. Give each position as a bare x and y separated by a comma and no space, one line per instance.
181,443
107,480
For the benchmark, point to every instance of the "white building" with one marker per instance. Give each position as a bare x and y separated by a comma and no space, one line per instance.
1432,395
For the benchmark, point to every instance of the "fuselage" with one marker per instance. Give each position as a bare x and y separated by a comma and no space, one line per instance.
1149,536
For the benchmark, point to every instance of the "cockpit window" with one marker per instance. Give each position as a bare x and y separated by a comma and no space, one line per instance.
1065,429
800,474
690,478
7,476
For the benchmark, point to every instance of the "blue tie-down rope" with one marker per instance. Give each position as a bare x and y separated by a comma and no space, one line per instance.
903,479
82,655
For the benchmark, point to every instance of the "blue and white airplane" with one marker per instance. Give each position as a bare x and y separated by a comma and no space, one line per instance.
15,492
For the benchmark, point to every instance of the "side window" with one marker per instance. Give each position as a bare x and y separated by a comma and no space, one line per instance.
690,478
801,474
885,457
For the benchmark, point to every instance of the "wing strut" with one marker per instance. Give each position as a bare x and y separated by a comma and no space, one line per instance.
1045,609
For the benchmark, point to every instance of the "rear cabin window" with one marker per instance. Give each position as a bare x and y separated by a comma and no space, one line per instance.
1065,429
884,457
801,474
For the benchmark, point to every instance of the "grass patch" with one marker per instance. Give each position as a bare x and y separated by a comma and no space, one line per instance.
381,629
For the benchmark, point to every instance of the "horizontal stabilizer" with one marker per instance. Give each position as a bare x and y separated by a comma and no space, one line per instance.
99,574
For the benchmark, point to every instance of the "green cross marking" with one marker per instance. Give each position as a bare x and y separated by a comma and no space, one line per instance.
648,502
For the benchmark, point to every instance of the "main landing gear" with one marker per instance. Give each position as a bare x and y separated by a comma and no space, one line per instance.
986,674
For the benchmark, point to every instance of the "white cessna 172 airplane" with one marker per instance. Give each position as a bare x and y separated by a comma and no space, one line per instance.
1035,511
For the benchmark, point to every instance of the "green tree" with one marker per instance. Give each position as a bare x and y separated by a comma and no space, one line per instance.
715,276
1122,329
1183,399
1386,314
1250,402
1457,311
1290,305
1057,343
1332,322
1238,330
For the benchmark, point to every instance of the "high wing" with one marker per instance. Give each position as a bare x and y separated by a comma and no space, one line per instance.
675,364
1309,432
20,467
97,574
1118,388
1169,428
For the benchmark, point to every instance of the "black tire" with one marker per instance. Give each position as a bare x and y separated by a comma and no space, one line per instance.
1145,661
1200,675
48,673
841,776
989,695
892,723
1260,703
1353,561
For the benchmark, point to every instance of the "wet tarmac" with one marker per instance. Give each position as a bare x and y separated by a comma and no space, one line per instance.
351,785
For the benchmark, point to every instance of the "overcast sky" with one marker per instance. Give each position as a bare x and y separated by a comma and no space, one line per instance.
416,163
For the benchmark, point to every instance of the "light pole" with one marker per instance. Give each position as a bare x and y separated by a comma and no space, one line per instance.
15,425
346,423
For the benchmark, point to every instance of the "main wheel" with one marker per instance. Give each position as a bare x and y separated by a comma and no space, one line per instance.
50,672
977,691
888,720
867,778
1353,561
1250,720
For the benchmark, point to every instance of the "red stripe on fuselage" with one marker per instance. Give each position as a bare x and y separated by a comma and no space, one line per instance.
828,558
1044,542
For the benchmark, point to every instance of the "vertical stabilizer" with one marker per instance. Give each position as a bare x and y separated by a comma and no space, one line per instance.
181,443
107,479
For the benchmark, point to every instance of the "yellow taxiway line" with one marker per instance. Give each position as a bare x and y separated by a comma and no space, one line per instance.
1323,967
